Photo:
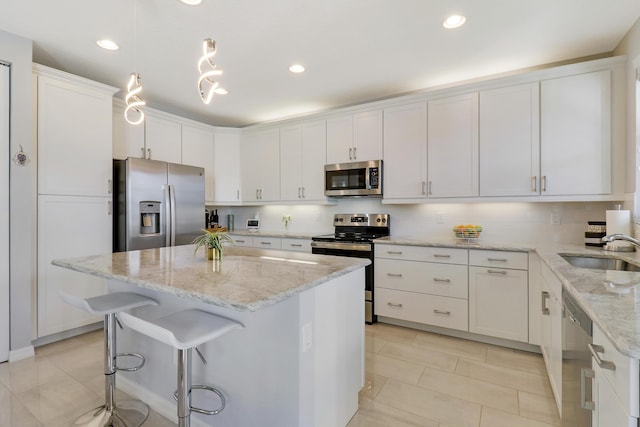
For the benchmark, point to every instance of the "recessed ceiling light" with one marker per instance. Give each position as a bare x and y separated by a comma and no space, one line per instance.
107,44
221,91
296,68
454,21
191,2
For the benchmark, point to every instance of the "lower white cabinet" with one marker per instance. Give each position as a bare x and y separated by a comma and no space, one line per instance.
498,296
267,242
608,411
551,330
298,245
69,226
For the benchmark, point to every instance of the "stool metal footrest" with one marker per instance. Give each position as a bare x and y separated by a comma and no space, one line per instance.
205,411
133,368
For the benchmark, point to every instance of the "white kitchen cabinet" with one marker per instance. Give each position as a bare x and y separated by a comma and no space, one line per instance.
260,156
302,160
452,146
405,152
69,226
510,141
268,242
297,245
355,137
163,138
265,242
5,90
575,136
128,139
198,150
226,167
242,240
74,124
551,331
608,411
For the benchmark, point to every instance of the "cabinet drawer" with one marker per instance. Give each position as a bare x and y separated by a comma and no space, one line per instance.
300,245
624,379
242,240
422,253
267,242
421,308
423,277
502,259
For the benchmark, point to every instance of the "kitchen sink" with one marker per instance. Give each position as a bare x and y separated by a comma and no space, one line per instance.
586,261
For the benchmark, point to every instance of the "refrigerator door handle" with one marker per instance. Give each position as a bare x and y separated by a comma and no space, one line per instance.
172,218
167,214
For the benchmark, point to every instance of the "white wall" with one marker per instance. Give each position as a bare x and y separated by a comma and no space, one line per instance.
507,222
18,52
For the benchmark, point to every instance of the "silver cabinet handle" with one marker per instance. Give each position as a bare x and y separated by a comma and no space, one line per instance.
497,259
584,403
355,153
110,208
545,297
394,252
436,279
149,153
604,364
430,188
394,274
534,184
299,192
303,196
142,152
240,241
350,153
441,256
543,183
265,243
442,313
503,272
424,188
296,245
237,194
109,186
257,197
390,304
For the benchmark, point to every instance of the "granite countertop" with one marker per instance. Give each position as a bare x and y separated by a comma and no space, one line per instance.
610,298
245,279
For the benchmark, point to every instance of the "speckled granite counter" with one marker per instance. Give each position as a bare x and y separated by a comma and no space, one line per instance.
614,308
245,279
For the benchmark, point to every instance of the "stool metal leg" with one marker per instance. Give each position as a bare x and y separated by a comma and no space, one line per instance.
184,388
130,413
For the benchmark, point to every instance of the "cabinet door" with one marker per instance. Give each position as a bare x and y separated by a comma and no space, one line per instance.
298,245
226,167
498,303
74,138
197,150
367,136
340,139
4,213
128,139
551,332
69,227
510,141
575,138
267,242
291,163
260,155
163,139
609,411
405,151
314,153
452,146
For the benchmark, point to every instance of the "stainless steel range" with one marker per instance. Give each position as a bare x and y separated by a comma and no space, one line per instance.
353,237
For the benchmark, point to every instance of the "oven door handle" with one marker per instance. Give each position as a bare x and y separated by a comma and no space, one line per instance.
363,247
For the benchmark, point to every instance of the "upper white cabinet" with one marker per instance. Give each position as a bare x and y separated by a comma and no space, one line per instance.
355,137
575,134
302,160
128,139
226,166
452,146
163,138
74,135
510,141
197,150
260,154
405,152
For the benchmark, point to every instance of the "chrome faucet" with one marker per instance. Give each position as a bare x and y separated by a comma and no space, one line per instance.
612,237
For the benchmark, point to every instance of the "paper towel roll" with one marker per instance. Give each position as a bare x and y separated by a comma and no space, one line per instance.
619,222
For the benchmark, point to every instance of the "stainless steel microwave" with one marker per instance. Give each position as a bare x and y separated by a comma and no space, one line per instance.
353,179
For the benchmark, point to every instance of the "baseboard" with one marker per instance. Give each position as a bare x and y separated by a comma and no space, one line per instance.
21,353
163,406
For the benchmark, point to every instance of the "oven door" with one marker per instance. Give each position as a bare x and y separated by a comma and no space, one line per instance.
353,250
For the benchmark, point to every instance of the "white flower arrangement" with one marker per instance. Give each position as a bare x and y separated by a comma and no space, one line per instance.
286,219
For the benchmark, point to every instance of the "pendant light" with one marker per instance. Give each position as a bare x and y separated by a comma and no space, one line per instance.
206,84
133,114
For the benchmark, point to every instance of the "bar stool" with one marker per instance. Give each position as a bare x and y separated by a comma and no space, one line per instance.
131,413
184,331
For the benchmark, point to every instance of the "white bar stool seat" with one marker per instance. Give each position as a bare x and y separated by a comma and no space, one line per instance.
185,330
131,413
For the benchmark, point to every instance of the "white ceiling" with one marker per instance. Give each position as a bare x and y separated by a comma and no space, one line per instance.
354,50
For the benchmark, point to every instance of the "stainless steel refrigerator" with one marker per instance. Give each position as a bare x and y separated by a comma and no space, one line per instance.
156,204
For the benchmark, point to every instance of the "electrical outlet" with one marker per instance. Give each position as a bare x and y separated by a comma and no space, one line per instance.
307,336
440,218
555,218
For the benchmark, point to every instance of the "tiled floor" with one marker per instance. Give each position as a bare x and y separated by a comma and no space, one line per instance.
413,378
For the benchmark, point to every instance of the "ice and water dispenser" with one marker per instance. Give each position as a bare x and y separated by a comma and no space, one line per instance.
149,218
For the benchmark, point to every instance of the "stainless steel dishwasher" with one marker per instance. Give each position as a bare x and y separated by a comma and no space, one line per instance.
577,329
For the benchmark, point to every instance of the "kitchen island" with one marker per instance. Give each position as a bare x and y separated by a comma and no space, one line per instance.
299,361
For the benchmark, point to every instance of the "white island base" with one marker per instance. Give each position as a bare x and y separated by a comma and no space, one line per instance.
298,362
